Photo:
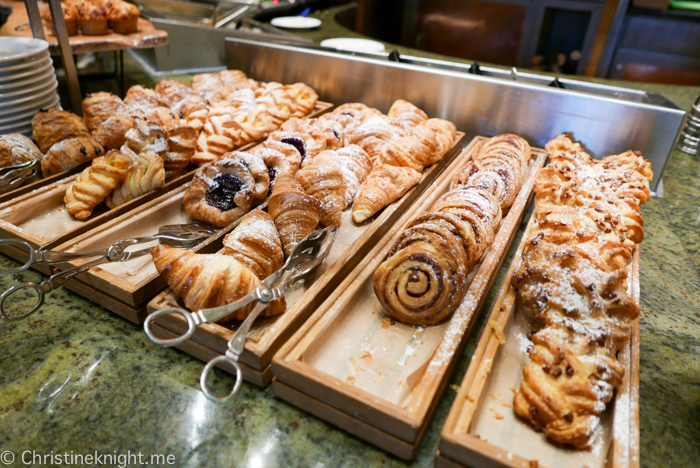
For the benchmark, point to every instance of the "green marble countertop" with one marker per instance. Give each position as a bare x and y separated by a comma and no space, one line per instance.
77,379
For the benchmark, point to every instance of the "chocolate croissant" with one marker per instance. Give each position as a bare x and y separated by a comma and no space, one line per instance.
98,107
145,175
206,281
112,132
52,125
256,244
295,213
95,183
16,149
70,153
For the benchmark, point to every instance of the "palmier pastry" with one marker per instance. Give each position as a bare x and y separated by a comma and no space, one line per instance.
16,149
95,183
112,132
383,185
205,281
278,157
98,107
295,213
68,154
223,191
146,174
323,179
256,244
52,125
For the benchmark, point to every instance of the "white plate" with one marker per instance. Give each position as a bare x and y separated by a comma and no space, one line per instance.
296,22
11,71
43,102
16,128
23,78
353,44
26,103
17,48
12,95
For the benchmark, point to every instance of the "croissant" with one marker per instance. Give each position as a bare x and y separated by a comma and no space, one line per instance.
374,133
98,107
223,191
52,125
278,157
406,114
95,183
295,213
414,150
146,174
205,281
323,179
383,185
112,132
424,279
356,168
256,244
445,132
16,148
181,143
70,153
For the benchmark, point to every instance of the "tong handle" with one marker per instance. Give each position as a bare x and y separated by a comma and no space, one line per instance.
40,288
192,321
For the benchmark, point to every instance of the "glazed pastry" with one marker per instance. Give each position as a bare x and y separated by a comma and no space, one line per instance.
205,281
295,213
123,17
52,125
305,98
16,149
356,167
383,185
573,276
256,244
145,136
70,153
323,179
279,104
145,175
98,107
182,143
223,191
373,134
445,132
95,183
112,132
278,157
423,280
406,114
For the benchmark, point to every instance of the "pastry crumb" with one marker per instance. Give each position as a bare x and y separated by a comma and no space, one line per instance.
513,389
351,380
400,384
534,464
498,330
470,398
378,380
386,323
366,355
454,387
498,415
507,405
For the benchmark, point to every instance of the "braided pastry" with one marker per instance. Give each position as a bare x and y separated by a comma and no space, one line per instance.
219,134
383,185
95,183
573,275
52,125
146,174
295,213
256,244
323,179
223,191
98,107
205,281
68,154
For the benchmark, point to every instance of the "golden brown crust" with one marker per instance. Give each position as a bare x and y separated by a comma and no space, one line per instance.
256,244
16,149
70,153
323,179
112,132
145,175
98,107
384,185
53,125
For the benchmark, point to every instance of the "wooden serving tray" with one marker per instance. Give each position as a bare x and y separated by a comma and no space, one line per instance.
267,335
353,366
40,218
472,436
21,190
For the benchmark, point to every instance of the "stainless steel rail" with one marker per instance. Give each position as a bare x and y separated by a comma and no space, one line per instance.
477,104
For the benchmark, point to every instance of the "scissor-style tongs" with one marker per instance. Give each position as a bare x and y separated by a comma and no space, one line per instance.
305,257
13,176
186,235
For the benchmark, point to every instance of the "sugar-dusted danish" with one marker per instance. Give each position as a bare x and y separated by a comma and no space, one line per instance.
162,116
146,136
223,191
70,153
112,132
140,99
182,143
323,179
256,244
383,185
327,130
95,183
98,107
205,281
308,145
278,157
374,133
356,168
305,98
146,174
295,213
174,92
278,103
16,148
53,125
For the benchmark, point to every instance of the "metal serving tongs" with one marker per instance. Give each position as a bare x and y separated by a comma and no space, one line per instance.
185,235
14,176
306,256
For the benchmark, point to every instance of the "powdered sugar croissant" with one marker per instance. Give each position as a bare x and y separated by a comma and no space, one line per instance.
384,185
256,244
323,179
205,281
95,183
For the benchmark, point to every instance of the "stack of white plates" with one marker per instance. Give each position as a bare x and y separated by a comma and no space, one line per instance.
27,83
